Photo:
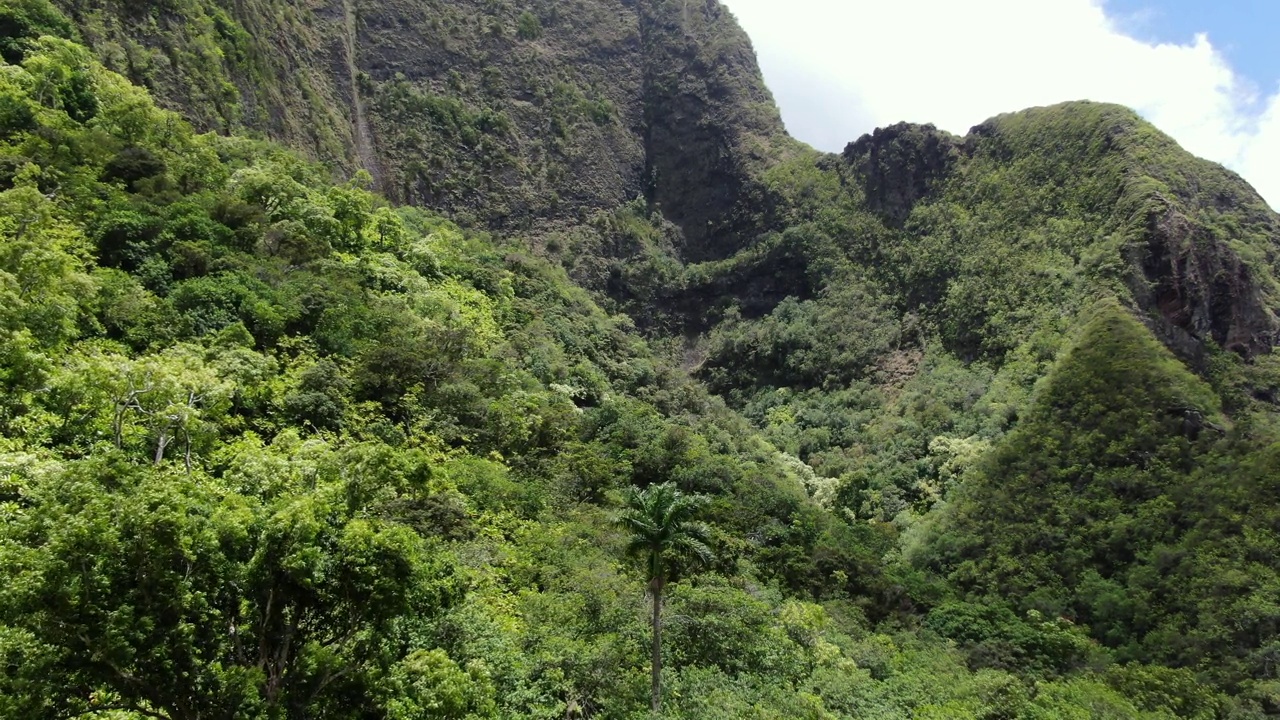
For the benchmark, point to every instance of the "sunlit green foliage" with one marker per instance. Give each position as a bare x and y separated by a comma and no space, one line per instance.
1109,506
663,533
272,447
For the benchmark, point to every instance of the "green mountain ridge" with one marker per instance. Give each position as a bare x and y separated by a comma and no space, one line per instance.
335,422
584,110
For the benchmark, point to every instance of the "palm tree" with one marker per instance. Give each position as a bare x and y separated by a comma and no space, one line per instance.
663,533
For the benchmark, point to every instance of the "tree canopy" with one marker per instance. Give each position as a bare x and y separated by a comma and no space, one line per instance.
955,428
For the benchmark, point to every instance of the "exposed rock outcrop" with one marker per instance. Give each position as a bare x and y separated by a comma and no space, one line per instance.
1195,287
900,165
519,117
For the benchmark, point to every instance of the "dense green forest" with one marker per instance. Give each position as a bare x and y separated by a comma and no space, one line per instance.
941,427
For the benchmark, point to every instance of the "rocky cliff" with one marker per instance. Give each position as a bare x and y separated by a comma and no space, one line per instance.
538,117
512,115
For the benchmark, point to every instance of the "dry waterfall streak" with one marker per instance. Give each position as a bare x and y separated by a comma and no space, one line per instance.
364,142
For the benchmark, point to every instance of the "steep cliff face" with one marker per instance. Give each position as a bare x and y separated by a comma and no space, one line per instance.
900,165
1194,247
514,115
1202,248
267,66
536,117
1196,286
710,125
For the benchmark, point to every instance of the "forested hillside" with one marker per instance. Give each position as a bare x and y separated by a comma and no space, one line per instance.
349,352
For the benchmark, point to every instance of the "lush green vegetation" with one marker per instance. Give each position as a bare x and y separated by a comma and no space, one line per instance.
274,447
1131,506
664,534
897,327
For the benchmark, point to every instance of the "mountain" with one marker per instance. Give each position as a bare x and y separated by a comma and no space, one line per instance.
1112,493
540,118
332,334
511,116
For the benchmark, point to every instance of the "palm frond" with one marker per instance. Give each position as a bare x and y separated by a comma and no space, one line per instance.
660,521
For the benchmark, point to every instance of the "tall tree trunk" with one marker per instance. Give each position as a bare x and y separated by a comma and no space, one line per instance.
656,662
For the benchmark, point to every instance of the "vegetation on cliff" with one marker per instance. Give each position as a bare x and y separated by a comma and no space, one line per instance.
985,426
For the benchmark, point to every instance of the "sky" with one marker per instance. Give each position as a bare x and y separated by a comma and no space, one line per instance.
1206,72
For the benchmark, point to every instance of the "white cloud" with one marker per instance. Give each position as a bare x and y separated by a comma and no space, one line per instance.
840,68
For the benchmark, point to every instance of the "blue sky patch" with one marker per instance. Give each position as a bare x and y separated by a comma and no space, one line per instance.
1246,32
